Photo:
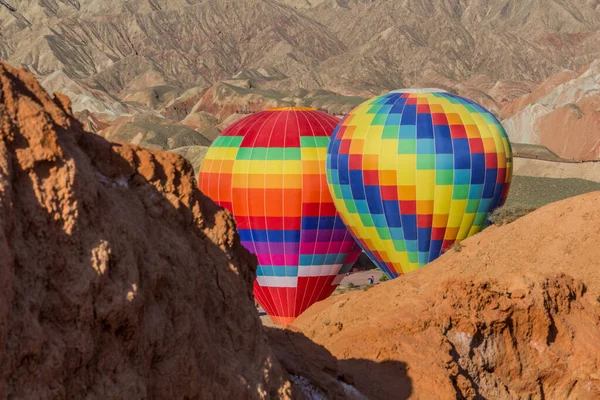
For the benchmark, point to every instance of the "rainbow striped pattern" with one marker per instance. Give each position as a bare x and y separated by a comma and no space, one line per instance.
268,169
411,172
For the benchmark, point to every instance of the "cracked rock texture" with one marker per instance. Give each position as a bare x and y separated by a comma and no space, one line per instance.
514,313
118,278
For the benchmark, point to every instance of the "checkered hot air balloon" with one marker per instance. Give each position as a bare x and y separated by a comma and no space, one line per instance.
268,170
413,171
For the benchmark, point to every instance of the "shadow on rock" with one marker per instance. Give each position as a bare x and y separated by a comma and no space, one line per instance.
384,380
338,379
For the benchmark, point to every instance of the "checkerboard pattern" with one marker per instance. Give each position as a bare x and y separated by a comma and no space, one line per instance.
269,170
412,172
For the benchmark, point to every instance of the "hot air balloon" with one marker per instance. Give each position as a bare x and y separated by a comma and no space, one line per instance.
268,170
413,171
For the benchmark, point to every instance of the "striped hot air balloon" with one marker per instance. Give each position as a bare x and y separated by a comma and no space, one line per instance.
413,171
268,170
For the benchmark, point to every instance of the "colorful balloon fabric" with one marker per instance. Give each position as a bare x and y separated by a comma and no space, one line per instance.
268,169
413,171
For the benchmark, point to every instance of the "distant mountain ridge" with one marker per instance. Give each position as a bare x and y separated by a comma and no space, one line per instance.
349,45
129,57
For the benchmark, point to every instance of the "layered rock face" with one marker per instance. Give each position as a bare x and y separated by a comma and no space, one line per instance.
340,45
118,57
197,63
118,278
561,114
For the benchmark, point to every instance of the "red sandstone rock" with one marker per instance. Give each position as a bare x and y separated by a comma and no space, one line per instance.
512,314
118,278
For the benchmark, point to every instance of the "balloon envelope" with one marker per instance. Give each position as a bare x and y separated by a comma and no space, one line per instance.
268,169
411,172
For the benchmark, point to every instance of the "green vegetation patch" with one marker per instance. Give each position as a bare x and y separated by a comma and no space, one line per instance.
534,192
529,193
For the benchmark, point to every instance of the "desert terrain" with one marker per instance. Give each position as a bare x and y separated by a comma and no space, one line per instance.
120,279
138,70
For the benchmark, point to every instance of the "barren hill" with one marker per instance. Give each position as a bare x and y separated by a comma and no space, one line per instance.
346,46
401,43
198,61
195,63
511,313
561,114
124,45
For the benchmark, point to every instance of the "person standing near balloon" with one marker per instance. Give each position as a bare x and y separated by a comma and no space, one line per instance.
414,171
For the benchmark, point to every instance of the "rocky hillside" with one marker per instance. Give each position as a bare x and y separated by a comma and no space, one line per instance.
399,43
118,278
563,114
196,62
511,313
344,45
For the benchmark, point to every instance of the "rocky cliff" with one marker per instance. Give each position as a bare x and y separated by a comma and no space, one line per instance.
118,278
